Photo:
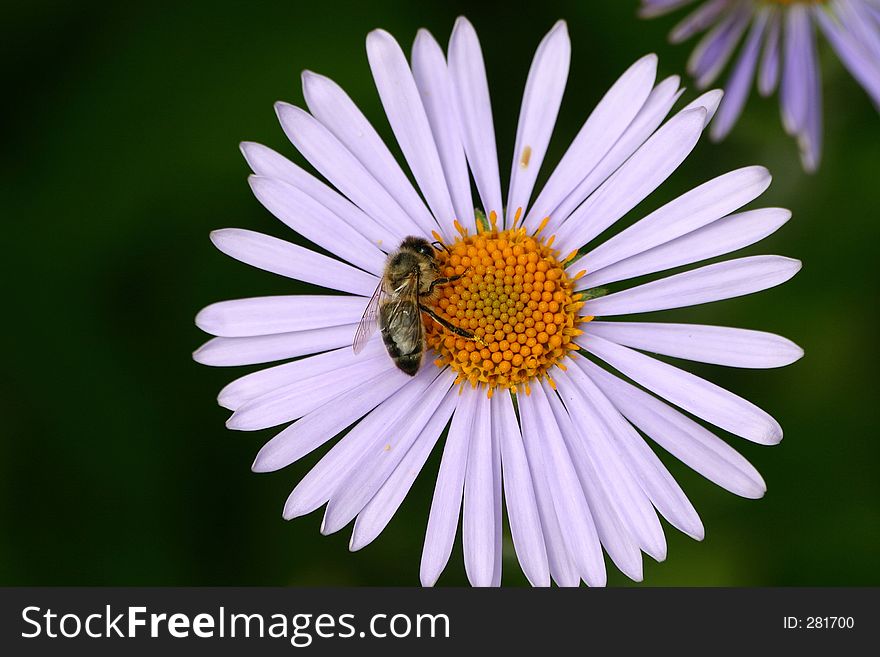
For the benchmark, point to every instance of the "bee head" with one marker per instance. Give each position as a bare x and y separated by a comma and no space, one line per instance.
418,245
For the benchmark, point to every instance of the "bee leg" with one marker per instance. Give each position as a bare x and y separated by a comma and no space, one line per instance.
440,281
449,326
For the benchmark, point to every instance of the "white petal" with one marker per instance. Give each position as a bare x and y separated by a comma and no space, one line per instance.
435,87
695,395
226,352
341,167
680,436
709,101
522,509
616,538
690,211
316,488
381,456
575,518
731,233
645,469
322,424
333,107
562,569
475,111
280,314
589,409
723,280
267,163
479,519
378,512
614,113
280,257
446,504
408,120
632,182
305,395
259,383
649,118
537,115
720,345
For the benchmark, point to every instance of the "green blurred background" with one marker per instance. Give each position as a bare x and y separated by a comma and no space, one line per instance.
120,154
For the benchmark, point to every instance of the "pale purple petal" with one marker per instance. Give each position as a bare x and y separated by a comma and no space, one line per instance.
720,237
446,504
649,118
266,162
315,222
709,101
736,93
695,395
342,168
768,74
303,396
865,70
537,116
522,509
630,184
281,314
610,526
595,419
690,211
310,432
383,453
378,512
562,569
316,488
653,8
435,87
330,105
680,436
793,95
226,352
406,114
479,518
575,520
723,280
702,18
653,477
720,345
608,121
855,17
263,381
279,257
715,49
810,138
475,112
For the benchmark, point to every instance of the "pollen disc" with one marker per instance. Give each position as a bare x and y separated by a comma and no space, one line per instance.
515,296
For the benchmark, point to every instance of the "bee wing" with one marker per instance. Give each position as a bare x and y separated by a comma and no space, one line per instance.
402,314
369,321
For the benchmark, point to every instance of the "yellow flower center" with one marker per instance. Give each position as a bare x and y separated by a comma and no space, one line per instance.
515,296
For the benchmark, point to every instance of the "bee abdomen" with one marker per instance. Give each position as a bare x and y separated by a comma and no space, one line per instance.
408,361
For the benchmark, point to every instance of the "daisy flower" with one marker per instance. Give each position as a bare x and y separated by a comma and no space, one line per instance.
780,48
536,412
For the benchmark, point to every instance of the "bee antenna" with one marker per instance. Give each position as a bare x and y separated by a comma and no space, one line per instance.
440,245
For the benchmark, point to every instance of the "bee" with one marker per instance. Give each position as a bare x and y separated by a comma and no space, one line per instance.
411,274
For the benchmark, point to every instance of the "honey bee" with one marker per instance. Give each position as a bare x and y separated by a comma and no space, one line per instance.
411,274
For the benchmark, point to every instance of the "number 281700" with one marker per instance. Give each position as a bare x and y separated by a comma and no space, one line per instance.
829,622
